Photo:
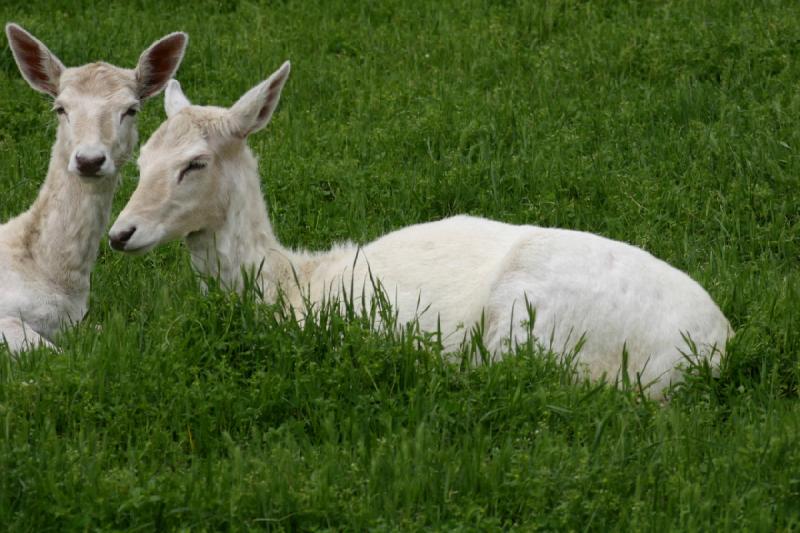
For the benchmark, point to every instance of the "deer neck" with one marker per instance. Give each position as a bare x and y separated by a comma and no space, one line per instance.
243,243
66,223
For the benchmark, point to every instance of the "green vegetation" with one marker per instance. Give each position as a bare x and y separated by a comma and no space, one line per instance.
670,125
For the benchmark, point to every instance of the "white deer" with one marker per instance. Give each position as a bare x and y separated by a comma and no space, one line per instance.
47,253
199,181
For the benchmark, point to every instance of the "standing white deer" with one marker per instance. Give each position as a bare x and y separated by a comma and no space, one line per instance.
47,253
199,181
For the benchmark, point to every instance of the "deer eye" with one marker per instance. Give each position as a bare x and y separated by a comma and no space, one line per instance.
194,165
60,110
131,112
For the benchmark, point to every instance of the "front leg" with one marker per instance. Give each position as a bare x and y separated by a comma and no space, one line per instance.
20,336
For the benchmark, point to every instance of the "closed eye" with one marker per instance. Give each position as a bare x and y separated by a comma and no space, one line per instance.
131,112
197,164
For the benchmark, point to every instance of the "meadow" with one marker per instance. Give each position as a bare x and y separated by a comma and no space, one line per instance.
670,125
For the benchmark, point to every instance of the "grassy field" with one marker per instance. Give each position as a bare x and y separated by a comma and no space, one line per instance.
669,125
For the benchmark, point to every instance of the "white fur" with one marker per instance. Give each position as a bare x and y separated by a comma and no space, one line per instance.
47,253
174,99
452,273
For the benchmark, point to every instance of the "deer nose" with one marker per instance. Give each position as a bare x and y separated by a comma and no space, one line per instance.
89,166
119,239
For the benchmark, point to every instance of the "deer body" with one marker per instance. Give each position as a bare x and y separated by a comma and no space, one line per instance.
200,181
47,253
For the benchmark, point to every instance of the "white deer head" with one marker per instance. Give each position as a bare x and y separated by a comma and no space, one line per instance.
96,103
191,164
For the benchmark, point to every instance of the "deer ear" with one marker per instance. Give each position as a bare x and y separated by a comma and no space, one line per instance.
253,110
38,65
174,99
159,63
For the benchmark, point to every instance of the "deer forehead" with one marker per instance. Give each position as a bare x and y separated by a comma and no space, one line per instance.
191,130
98,81
161,159
160,163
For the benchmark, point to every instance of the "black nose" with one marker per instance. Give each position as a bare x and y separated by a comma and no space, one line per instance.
89,166
120,239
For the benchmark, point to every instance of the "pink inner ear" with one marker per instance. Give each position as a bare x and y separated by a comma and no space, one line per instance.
272,96
266,109
32,60
161,63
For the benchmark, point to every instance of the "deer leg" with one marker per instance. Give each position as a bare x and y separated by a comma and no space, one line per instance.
20,336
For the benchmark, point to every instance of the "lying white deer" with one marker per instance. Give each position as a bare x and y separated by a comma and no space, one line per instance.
47,252
199,181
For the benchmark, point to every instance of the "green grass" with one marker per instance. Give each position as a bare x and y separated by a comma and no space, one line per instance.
669,125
